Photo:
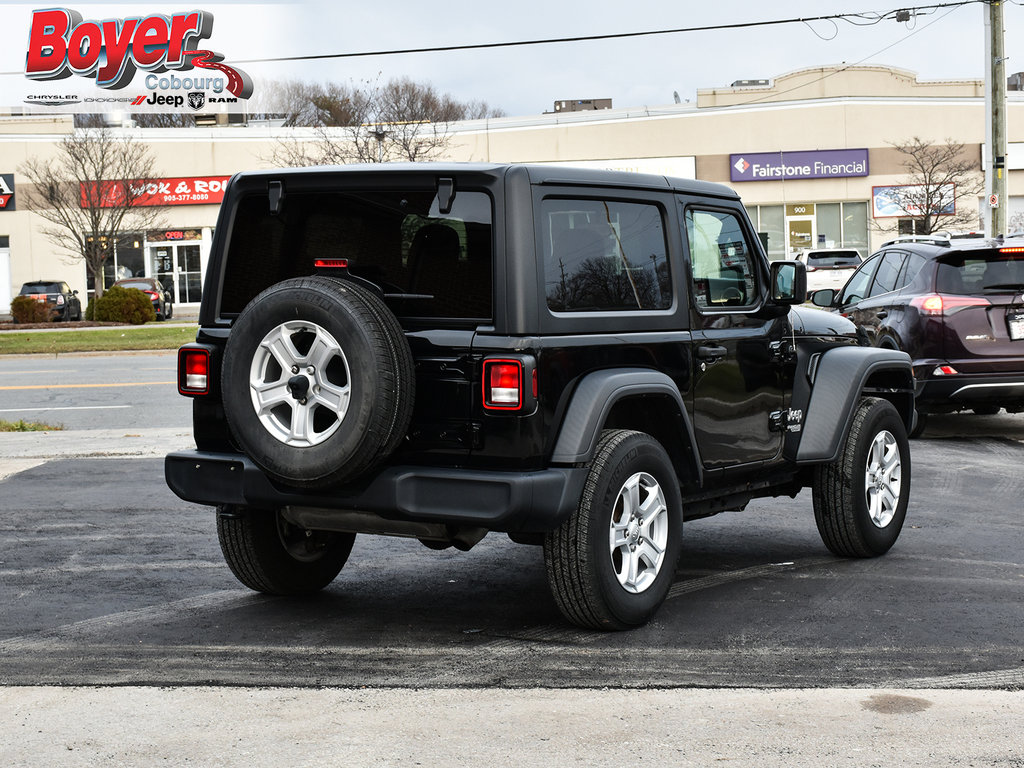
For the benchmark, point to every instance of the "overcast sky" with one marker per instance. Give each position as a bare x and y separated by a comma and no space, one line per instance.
946,43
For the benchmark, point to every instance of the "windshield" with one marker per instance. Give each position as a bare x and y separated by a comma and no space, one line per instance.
979,272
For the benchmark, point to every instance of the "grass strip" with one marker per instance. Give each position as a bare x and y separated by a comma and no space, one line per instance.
95,340
28,426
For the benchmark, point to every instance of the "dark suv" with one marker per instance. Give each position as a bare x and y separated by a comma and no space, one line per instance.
956,307
63,302
579,359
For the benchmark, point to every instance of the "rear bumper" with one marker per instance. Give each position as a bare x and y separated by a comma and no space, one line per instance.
965,391
499,501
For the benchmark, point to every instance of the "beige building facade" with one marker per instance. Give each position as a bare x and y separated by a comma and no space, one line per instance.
810,152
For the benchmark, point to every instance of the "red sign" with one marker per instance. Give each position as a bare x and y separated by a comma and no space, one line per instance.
201,190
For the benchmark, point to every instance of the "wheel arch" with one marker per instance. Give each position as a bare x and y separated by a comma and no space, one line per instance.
840,377
630,398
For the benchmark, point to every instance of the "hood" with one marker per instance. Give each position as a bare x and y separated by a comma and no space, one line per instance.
809,321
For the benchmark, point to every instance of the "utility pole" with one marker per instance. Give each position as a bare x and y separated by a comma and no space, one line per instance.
995,103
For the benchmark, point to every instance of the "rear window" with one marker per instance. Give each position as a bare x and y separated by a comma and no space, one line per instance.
980,271
142,285
428,264
834,259
28,288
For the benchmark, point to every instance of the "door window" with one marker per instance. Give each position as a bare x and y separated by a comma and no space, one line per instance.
721,260
888,272
857,288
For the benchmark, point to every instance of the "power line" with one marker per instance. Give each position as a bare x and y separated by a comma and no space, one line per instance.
859,19
915,31
865,18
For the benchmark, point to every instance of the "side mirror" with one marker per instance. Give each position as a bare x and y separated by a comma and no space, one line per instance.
74,293
788,283
826,297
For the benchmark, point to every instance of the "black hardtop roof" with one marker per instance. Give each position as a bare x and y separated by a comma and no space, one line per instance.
538,174
42,282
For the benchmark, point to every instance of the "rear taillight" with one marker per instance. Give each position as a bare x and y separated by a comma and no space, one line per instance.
60,299
1012,249
945,370
503,384
331,263
945,304
193,371
154,296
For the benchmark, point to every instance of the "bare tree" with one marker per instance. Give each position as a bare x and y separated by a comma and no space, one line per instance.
90,192
401,120
940,177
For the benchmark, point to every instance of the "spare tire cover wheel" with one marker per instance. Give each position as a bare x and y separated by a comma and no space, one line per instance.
317,379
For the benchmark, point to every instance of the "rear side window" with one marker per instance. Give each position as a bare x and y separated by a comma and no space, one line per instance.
721,259
602,255
428,264
980,271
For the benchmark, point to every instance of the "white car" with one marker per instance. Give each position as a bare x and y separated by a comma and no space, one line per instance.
829,267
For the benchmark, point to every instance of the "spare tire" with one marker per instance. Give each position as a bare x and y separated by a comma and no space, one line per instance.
318,381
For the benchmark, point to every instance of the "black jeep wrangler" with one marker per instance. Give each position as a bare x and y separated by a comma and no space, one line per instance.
579,359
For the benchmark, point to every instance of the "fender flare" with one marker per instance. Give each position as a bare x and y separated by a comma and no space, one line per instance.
838,381
594,398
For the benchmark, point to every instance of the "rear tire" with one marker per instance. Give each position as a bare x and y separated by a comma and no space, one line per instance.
611,563
860,500
268,554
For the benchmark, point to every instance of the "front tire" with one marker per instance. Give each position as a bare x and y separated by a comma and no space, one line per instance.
268,554
611,563
860,500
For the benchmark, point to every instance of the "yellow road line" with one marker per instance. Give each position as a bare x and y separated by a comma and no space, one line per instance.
91,386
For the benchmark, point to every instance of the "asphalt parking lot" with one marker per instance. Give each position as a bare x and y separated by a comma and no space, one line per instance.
117,608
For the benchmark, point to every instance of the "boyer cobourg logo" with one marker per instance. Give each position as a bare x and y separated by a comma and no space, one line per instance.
112,52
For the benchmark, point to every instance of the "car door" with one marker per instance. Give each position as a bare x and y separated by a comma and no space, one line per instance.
737,353
874,310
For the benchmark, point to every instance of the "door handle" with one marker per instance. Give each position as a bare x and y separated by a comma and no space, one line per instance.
882,315
711,353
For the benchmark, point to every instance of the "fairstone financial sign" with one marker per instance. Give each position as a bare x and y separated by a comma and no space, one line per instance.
814,164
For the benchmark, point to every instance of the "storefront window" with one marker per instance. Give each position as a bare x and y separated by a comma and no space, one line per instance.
855,227
830,225
770,219
125,259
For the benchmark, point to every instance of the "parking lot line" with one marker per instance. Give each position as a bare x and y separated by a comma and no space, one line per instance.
63,408
88,386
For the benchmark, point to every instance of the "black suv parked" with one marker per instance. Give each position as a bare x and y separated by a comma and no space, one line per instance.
956,307
580,359
63,302
155,290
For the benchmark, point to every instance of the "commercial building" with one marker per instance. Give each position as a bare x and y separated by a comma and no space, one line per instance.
811,152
